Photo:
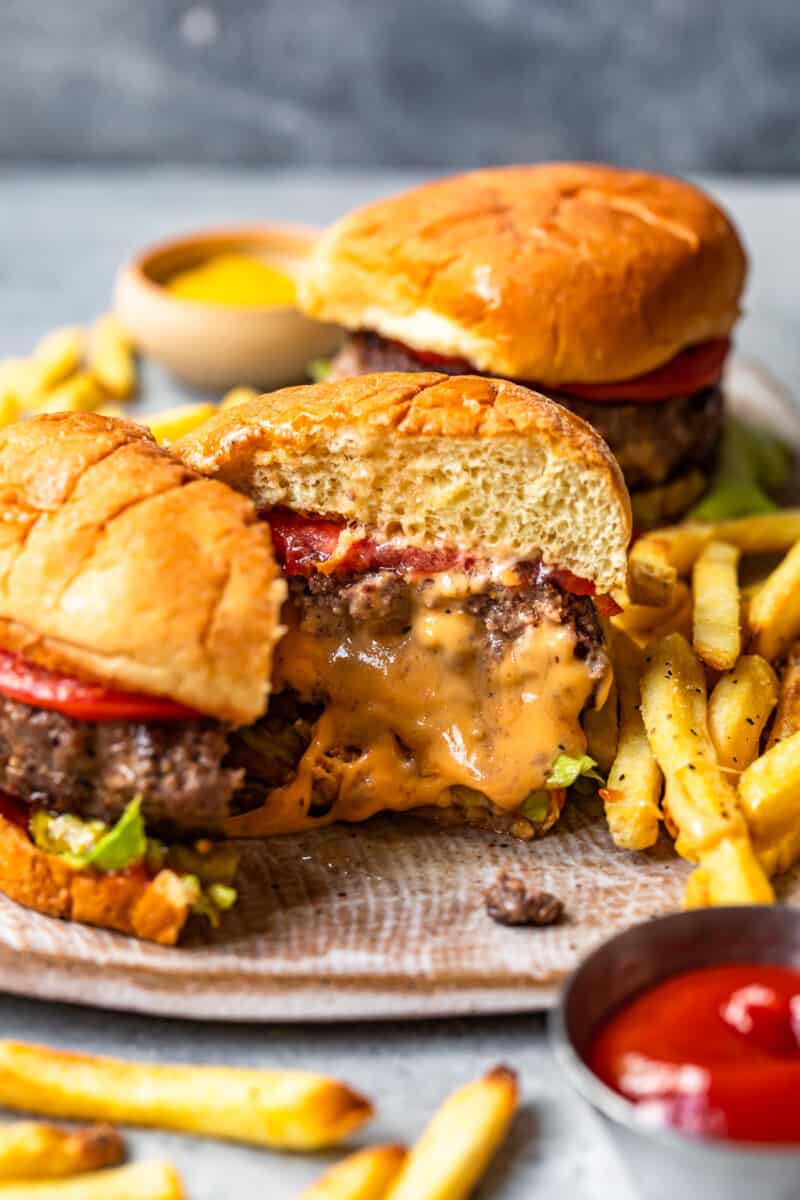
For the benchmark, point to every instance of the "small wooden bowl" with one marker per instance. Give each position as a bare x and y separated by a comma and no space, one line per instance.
218,346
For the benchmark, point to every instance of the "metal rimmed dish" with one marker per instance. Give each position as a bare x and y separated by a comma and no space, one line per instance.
216,346
665,1163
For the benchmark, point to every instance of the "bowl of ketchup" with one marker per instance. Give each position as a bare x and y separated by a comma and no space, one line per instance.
683,1033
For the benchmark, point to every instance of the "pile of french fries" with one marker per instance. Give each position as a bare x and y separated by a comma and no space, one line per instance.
702,734
93,370
279,1110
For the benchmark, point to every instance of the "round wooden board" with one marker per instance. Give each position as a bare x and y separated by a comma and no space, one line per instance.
376,921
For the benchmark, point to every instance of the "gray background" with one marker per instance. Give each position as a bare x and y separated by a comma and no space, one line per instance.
673,84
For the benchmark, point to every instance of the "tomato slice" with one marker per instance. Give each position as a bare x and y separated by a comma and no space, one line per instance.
688,372
31,684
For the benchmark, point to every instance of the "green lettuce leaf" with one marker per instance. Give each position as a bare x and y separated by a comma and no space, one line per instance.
751,463
319,369
92,843
568,768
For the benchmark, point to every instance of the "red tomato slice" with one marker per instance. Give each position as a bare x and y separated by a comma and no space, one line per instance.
34,685
688,372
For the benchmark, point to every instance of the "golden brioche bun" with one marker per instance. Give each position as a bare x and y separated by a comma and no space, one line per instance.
478,463
120,565
558,273
155,909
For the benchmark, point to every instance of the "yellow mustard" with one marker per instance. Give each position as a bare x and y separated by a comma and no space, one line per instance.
240,280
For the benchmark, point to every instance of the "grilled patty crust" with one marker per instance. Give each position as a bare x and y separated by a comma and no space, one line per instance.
651,442
95,769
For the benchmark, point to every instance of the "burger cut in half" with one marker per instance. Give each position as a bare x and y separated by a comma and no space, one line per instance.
448,544
613,291
138,613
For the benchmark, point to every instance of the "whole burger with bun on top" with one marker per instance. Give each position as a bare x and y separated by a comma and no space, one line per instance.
614,292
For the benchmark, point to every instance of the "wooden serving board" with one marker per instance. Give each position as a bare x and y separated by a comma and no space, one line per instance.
381,920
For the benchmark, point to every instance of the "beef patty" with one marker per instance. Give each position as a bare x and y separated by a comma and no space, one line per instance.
651,442
331,606
95,769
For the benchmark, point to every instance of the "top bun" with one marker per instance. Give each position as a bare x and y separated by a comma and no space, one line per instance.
468,461
558,273
119,564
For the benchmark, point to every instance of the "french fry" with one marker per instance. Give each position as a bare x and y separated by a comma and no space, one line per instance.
19,379
787,718
30,1150
601,728
739,708
10,407
639,621
79,393
677,620
288,1110
774,615
769,793
238,395
702,804
652,577
634,779
365,1175
57,356
173,423
715,587
140,1181
459,1142
658,558
109,357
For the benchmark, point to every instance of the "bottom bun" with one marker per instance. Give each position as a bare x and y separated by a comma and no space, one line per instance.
667,503
154,909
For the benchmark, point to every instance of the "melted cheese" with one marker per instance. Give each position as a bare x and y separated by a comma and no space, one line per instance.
411,716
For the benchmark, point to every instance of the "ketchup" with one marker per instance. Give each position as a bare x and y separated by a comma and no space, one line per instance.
713,1052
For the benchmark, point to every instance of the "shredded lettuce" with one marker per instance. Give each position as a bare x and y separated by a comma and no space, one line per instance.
569,767
536,806
319,369
92,843
209,901
751,463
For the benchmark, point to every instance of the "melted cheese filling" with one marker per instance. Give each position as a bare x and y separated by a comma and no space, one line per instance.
411,715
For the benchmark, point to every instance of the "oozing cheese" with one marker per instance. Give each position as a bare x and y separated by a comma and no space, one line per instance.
411,715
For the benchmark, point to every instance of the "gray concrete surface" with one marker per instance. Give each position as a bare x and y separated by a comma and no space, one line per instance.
676,84
62,234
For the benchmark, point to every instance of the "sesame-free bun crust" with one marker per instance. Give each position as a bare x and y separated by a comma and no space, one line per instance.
558,273
120,565
155,909
478,463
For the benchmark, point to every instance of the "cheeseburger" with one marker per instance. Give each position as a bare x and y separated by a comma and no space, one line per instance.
449,544
138,612
614,292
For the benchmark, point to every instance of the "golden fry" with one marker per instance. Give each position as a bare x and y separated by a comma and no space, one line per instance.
634,779
30,1150
787,718
639,620
460,1141
110,359
238,395
173,423
365,1175
289,1110
774,615
652,577
80,393
140,1181
658,558
715,587
57,356
739,708
601,728
769,792
702,804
